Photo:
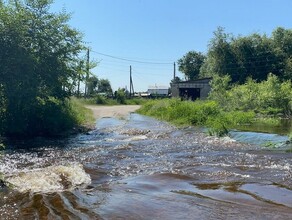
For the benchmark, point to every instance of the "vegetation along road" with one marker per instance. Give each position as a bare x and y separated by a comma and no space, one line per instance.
117,111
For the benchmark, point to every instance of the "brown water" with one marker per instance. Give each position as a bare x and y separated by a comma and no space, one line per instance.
140,168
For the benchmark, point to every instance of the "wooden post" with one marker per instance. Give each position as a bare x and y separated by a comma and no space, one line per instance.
87,74
131,83
79,78
174,71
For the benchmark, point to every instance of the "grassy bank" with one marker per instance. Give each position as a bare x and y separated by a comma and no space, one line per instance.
82,117
198,113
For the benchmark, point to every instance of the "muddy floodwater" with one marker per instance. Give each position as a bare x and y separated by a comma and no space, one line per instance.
140,168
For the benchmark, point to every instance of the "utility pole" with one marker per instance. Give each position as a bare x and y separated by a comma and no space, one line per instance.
79,78
87,74
131,83
174,71
132,86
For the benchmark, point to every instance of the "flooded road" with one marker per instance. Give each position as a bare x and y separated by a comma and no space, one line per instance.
140,168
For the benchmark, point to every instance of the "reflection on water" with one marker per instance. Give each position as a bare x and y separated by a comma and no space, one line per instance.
283,127
140,168
260,139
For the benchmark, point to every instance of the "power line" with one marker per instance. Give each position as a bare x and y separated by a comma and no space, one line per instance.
130,60
106,62
152,74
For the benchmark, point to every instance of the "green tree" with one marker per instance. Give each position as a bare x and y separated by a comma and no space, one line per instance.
244,97
120,95
104,86
190,64
288,68
38,55
92,84
175,80
251,56
282,39
256,57
219,89
221,59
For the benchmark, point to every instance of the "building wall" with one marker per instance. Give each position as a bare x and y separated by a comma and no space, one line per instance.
174,90
158,91
205,90
203,85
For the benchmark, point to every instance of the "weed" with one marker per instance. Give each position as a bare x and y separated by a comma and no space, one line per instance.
198,113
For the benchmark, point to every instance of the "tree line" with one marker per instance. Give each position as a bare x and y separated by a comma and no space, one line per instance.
250,73
242,57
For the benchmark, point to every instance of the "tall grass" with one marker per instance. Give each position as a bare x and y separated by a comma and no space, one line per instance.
102,100
98,100
81,115
290,137
198,113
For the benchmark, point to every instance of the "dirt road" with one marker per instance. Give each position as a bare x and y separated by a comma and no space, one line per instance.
116,111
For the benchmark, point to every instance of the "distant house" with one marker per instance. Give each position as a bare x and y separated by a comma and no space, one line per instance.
161,91
191,90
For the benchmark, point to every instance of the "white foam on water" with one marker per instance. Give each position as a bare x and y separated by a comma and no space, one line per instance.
137,138
50,179
218,140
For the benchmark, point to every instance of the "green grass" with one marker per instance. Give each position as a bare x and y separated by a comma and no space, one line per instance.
198,113
82,116
269,121
290,136
101,100
136,101
1,174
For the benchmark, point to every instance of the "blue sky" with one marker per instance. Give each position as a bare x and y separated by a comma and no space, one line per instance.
162,31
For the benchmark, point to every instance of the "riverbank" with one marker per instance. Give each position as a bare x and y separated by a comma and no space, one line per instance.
199,113
162,171
116,111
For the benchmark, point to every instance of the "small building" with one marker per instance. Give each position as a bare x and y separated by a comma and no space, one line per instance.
161,91
191,90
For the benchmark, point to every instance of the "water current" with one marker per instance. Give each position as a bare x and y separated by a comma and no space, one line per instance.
140,168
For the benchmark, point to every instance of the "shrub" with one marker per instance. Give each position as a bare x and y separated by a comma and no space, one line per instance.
50,117
120,96
270,97
135,101
290,136
198,113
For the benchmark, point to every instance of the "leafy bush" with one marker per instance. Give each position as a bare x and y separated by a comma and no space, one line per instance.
217,126
136,101
270,97
103,100
100,99
120,96
97,100
53,116
198,113
50,117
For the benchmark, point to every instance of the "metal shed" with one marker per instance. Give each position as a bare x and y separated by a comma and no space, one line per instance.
158,90
191,90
